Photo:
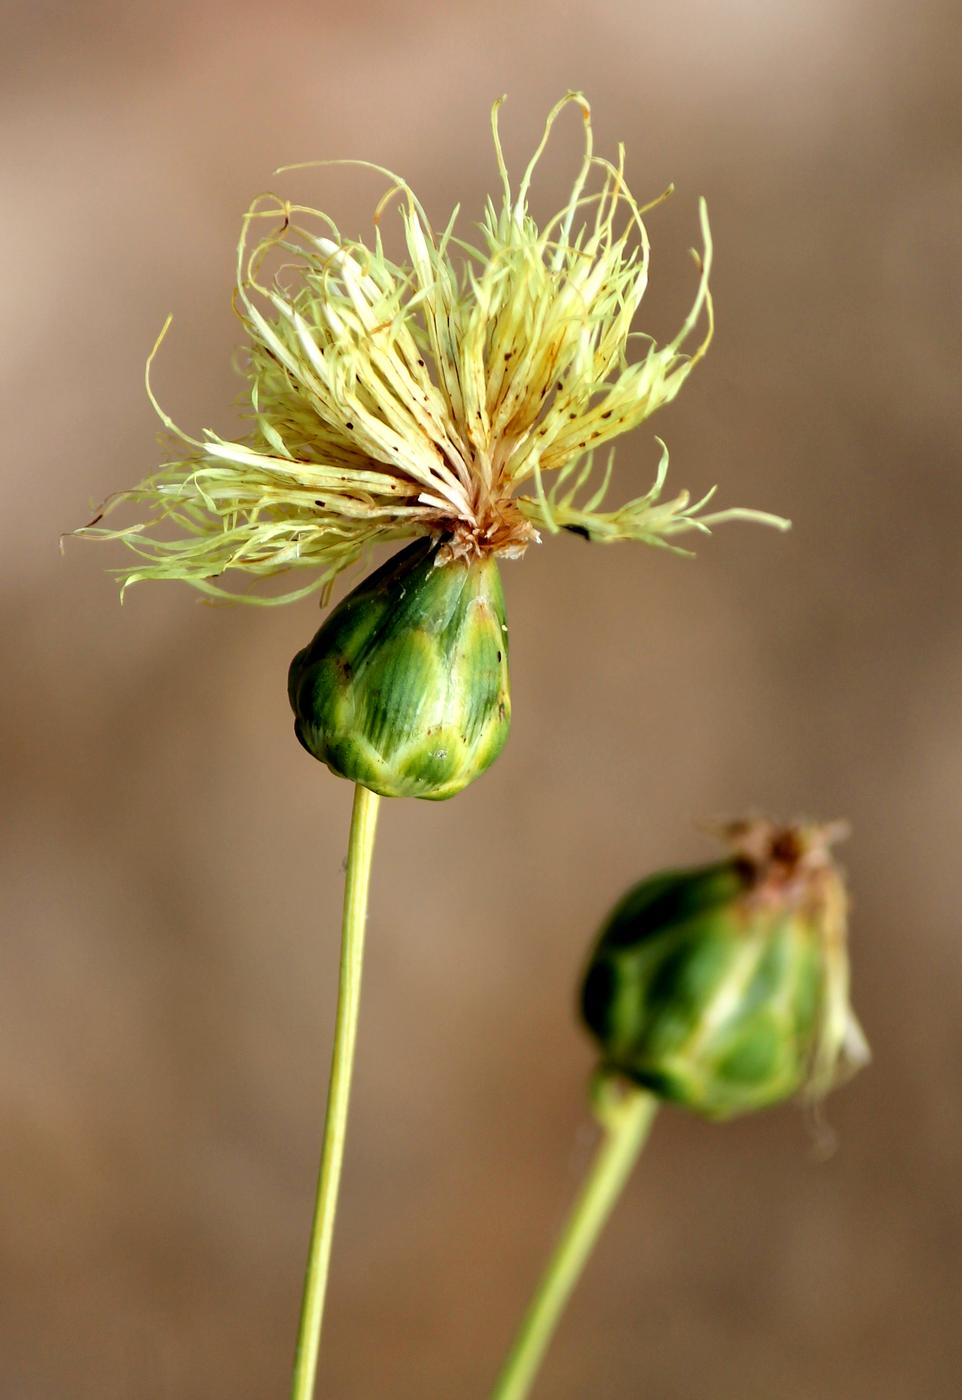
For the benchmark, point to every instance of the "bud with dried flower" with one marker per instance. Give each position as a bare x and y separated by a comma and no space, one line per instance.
725,988
456,399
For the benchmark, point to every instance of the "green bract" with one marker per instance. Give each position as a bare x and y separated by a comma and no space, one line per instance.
725,988
405,687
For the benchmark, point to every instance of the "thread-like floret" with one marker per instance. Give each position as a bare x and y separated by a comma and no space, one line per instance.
431,397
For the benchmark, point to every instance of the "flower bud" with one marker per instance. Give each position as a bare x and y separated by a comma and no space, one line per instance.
405,687
725,988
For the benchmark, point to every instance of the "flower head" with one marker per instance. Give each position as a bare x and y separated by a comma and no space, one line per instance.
460,394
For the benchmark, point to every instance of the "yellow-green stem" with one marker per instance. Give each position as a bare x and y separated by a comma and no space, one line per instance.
626,1126
356,884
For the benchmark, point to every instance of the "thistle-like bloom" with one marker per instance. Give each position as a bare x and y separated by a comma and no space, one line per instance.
459,395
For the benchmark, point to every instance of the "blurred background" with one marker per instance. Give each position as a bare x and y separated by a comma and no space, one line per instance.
171,860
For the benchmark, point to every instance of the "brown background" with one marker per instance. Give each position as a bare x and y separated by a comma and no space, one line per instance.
171,860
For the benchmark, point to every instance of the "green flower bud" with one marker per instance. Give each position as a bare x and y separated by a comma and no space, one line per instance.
725,988
405,687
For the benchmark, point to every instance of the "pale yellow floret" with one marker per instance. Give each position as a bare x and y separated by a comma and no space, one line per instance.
394,400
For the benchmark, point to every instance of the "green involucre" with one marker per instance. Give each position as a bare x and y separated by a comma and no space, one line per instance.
404,689
721,998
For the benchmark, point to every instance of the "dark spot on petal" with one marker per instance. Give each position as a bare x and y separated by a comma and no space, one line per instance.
349,425
607,415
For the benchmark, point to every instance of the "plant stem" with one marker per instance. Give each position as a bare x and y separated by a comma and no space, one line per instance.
626,1125
356,884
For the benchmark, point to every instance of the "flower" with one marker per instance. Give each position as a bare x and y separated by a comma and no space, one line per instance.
460,395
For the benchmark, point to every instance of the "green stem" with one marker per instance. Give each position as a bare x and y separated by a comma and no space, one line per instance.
626,1125
356,884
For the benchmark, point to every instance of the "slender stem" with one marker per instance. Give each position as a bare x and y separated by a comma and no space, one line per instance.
626,1126
356,884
